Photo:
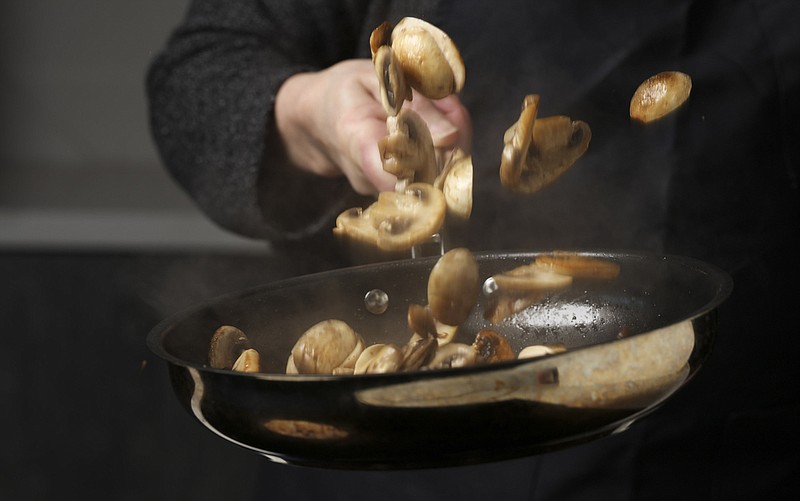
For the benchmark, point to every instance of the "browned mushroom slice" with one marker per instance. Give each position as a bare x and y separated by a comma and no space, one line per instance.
429,58
568,263
396,221
539,151
660,95
393,87
492,346
407,152
380,36
530,277
453,286
455,181
418,352
227,344
325,347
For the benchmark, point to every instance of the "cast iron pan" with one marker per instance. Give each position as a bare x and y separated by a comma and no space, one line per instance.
632,342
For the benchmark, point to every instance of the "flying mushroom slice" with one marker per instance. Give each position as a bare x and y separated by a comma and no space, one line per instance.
392,82
430,59
453,286
529,278
407,151
397,221
539,151
660,95
574,265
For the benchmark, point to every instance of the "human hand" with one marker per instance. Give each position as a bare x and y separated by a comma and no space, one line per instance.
330,123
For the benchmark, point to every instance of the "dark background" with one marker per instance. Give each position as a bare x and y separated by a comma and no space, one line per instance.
97,245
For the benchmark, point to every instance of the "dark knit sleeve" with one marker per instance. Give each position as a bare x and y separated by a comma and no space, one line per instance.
211,93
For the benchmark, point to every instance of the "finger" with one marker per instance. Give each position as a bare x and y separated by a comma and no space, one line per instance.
444,133
456,113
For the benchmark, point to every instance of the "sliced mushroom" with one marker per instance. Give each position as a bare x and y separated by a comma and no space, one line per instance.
393,87
530,277
660,95
541,350
227,344
407,152
491,346
248,361
537,152
455,181
327,346
423,324
418,352
429,58
379,359
568,263
454,355
453,286
396,221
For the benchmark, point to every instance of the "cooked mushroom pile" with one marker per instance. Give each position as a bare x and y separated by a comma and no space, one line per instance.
333,347
416,55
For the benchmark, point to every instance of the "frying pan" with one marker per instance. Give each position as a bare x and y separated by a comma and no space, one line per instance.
632,342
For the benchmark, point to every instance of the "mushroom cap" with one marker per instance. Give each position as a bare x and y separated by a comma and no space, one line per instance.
455,181
227,344
539,151
396,221
325,347
407,151
429,58
453,286
660,95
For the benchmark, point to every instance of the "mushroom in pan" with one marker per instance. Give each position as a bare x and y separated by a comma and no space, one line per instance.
660,95
379,359
528,277
424,325
327,347
248,361
454,355
541,350
396,221
453,286
228,343
430,59
407,152
492,346
539,151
